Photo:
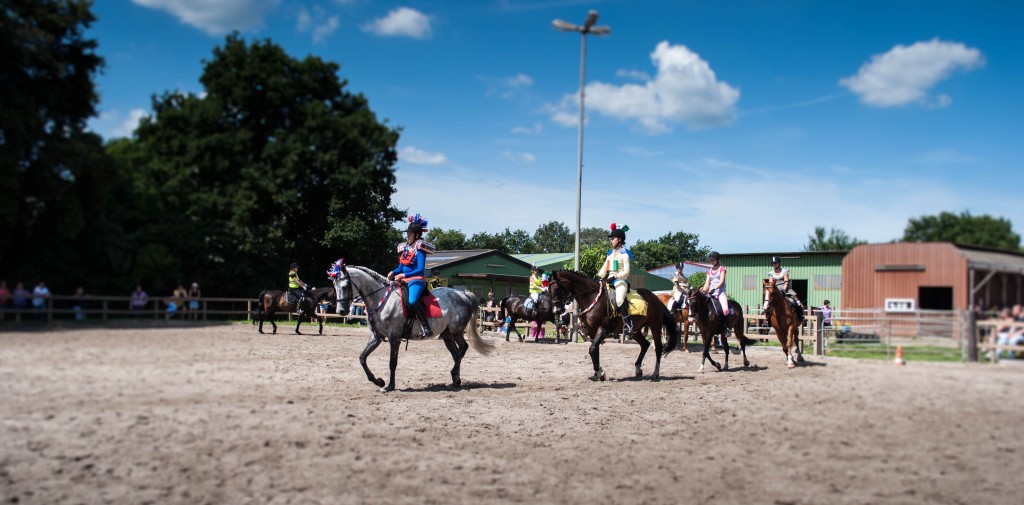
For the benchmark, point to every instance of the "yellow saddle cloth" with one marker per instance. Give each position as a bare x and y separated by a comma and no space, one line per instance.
637,305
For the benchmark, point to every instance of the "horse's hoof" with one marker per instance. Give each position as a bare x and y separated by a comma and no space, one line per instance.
384,390
746,363
379,382
800,358
790,365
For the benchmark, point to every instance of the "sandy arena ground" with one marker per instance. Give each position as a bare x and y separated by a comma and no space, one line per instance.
221,414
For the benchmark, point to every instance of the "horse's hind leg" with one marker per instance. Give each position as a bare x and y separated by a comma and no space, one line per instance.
396,344
725,347
457,354
370,346
706,355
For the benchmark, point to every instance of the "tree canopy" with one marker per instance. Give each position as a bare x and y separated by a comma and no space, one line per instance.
983,230
275,163
832,240
56,203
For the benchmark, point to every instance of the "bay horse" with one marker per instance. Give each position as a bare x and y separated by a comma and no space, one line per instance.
387,321
272,301
786,321
514,308
596,317
710,324
682,316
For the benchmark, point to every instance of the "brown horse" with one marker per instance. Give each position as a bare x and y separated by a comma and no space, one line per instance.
710,324
274,300
786,321
682,315
596,315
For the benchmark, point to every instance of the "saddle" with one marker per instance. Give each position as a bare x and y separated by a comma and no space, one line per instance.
290,298
429,301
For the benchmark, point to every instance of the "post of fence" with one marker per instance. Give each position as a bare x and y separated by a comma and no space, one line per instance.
49,309
972,336
819,343
248,310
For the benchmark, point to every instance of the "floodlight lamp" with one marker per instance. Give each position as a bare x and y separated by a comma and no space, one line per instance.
564,26
600,30
591,19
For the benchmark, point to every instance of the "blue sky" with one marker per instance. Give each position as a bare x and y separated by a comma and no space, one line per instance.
747,122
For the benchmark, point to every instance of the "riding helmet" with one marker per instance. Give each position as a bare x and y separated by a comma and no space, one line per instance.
714,256
294,266
776,259
679,265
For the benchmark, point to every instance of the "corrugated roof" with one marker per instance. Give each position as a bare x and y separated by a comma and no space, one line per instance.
541,259
993,259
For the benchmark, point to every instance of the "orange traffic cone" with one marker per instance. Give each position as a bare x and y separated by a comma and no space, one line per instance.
899,356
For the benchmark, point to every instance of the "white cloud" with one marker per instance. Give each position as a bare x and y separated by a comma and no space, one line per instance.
526,130
215,17
417,157
402,22
874,210
527,158
904,74
321,30
113,123
519,80
633,74
685,90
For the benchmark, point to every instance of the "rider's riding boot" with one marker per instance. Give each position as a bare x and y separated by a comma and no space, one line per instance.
298,307
421,314
627,320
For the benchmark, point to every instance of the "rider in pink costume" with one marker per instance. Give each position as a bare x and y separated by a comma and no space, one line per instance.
714,285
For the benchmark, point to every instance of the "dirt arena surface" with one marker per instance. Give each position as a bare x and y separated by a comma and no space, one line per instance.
221,414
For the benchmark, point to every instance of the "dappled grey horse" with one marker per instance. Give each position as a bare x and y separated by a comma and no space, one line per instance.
387,321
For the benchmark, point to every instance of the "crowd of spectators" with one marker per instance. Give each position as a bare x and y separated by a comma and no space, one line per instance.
20,301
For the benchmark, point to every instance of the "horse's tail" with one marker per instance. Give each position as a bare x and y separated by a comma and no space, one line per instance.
478,344
671,329
502,308
738,330
258,316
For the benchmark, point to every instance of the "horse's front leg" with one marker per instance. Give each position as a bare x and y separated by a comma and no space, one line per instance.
297,324
644,345
793,346
371,345
706,354
595,354
396,343
273,324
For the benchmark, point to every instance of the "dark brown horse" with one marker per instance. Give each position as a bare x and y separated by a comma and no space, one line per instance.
710,324
786,321
682,315
591,297
274,300
513,308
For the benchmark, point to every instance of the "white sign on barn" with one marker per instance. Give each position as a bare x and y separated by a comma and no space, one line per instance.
899,304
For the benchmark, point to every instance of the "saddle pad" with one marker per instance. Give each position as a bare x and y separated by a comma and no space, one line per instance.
429,300
637,305
290,298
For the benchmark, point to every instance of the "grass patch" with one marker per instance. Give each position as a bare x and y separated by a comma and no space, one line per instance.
910,353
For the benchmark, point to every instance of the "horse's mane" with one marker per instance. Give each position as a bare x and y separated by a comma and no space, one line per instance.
373,275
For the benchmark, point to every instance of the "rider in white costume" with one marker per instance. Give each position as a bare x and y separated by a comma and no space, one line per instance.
679,283
781,276
616,271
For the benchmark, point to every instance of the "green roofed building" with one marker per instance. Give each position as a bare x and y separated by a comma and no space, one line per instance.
478,270
557,261
815,276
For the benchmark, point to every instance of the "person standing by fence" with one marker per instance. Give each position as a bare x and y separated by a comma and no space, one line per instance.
139,299
826,315
39,297
77,302
193,300
5,298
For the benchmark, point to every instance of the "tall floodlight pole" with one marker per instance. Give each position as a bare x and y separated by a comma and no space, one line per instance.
586,28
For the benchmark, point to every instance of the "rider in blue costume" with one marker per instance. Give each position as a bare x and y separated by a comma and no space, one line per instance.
412,259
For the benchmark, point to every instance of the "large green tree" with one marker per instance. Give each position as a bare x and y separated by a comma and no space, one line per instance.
983,230
447,240
54,177
831,240
669,248
276,162
554,237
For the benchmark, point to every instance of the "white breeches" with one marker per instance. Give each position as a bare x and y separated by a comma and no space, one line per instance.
620,293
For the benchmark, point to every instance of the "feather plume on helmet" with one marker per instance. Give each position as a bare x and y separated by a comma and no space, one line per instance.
618,230
417,225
